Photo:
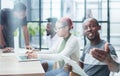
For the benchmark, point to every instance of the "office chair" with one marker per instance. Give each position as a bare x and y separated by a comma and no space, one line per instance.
73,74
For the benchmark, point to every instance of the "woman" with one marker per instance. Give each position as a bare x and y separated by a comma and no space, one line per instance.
68,46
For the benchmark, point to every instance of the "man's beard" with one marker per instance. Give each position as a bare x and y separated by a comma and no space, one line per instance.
91,39
48,34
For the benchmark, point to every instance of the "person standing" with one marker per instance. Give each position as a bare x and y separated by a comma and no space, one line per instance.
10,20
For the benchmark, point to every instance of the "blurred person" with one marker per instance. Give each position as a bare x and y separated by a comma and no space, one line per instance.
51,33
52,39
10,20
90,65
68,46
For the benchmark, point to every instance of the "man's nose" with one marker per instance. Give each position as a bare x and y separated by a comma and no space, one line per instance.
89,28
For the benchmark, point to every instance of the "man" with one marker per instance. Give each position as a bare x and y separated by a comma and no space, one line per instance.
90,65
51,33
104,56
9,21
68,46
52,39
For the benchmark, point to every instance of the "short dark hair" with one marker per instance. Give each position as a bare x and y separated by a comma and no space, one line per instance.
53,20
19,7
91,19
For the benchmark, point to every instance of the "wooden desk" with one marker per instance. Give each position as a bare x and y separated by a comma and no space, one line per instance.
10,66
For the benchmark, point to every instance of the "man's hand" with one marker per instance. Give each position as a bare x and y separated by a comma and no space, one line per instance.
105,56
7,50
45,66
68,67
29,47
101,55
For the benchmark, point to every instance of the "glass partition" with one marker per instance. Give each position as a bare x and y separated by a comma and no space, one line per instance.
39,10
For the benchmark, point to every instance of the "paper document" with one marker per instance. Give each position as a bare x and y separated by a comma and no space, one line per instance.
75,67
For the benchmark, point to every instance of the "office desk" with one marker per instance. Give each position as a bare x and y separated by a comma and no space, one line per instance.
10,66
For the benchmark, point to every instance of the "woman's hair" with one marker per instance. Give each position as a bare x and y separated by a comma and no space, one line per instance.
66,21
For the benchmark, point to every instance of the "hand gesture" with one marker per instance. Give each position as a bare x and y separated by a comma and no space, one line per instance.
101,55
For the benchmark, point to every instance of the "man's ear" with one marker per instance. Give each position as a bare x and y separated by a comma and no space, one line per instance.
67,28
99,27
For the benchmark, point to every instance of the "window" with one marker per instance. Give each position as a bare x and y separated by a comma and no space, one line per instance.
39,10
115,23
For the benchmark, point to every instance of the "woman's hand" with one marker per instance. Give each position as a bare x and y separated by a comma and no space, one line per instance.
31,54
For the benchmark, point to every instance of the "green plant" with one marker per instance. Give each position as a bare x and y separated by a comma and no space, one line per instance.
34,29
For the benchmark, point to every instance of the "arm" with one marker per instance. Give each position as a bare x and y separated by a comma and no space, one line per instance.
44,56
3,18
72,46
69,68
2,41
69,49
104,56
26,35
81,64
2,21
112,65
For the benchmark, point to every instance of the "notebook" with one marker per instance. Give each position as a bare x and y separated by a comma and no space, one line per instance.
24,58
